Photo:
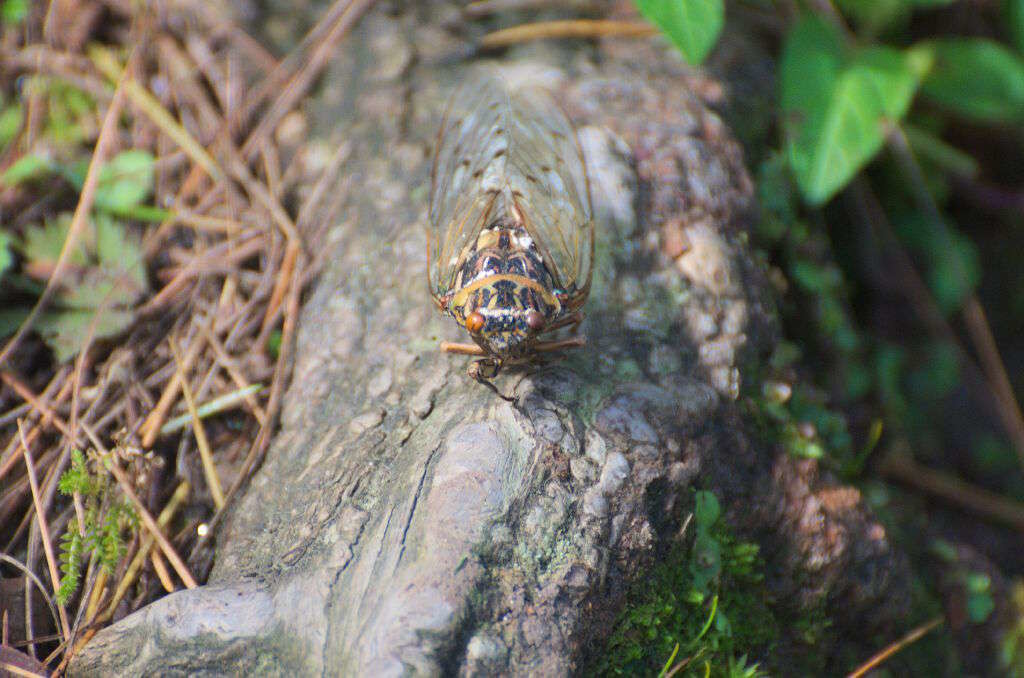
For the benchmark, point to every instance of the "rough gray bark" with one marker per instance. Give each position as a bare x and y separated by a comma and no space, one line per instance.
406,519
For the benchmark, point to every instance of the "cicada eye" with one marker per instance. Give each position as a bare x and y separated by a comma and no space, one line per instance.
535,320
475,322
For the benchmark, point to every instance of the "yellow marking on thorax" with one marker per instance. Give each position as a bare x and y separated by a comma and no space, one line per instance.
462,295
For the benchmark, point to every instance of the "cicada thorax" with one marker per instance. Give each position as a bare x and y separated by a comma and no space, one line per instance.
504,293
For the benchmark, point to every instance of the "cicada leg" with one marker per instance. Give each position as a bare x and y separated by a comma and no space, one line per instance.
573,319
485,370
574,342
461,349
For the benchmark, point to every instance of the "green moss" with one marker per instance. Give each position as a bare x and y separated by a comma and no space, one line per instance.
704,606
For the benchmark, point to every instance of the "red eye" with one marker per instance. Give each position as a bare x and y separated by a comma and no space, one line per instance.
534,320
475,322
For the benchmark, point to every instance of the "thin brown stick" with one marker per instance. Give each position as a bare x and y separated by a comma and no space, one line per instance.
327,180
107,136
161,571
47,598
147,518
155,111
71,68
44,529
227,253
291,253
575,28
995,370
978,328
259,446
895,647
26,394
923,303
483,8
96,597
987,504
323,49
231,368
205,453
150,429
18,671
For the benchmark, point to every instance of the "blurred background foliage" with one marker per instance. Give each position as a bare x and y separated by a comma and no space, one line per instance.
888,150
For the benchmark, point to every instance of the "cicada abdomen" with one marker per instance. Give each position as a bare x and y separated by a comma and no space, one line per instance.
511,233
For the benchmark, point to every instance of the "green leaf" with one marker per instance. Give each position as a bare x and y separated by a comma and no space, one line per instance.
954,266
979,597
10,122
706,564
976,78
6,258
1015,23
692,25
13,11
955,273
835,105
108,277
125,181
876,16
42,244
65,331
11,319
25,168
928,146
707,510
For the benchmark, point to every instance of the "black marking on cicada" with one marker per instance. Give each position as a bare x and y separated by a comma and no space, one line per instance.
510,243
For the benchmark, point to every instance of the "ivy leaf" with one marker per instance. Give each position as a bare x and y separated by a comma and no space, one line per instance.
707,510
977,78
693,26
706,564
835,104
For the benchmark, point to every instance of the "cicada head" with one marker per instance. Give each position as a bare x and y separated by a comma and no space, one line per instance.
506,298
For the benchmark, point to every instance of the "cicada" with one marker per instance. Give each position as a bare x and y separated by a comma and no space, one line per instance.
510,243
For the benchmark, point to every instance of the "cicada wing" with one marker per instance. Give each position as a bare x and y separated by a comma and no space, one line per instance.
548,179
500,147
467,174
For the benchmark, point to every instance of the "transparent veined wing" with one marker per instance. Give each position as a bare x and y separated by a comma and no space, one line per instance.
463,180
503,149
548,181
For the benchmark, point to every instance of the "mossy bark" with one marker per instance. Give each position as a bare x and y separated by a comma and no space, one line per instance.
406,519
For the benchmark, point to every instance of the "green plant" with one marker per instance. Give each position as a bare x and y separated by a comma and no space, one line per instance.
106,518
107,273
693,26
701,611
